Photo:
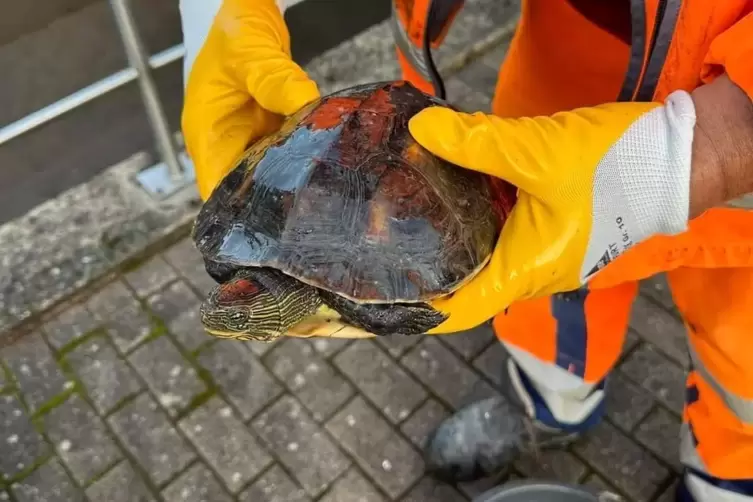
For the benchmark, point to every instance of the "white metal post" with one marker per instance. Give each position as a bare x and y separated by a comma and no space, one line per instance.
139,60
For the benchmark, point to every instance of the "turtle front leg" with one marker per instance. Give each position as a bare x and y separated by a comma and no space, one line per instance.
386,319
257,304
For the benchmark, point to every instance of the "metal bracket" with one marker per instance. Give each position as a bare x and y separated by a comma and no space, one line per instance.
160,182
176,169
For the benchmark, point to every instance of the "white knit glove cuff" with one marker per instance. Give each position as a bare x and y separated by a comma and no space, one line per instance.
642,185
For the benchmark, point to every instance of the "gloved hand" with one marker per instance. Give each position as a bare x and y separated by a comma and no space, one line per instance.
240,84
592,182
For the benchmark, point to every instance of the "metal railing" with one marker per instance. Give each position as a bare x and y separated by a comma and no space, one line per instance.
175,170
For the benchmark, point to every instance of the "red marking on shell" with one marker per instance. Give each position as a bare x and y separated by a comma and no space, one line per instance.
369,131
330,113
381,102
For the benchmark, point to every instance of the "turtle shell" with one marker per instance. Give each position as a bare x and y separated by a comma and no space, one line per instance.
343,198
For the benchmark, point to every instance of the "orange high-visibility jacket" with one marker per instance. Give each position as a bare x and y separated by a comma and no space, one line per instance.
572,53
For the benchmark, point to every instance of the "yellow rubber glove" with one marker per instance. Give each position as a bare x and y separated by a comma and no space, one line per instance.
239,84
592,182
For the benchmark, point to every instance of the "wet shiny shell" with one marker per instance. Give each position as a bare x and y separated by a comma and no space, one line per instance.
344,199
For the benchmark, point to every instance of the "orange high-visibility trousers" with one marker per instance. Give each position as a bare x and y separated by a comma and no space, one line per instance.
709,267
584,333
572,53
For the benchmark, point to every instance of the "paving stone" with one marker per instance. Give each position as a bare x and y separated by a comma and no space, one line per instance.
121,314
381,380
173,301
514,476
384,456
69,326
596,485
197,484
559,465
397,345
613,455
669,495
21,445
110,300
423,422
48,483
120,484
274,486
495,57
178,307
470,343
225,443
240,376
480,77
632,340
352,487
187,330
129,328
150,276
660,433
36,372
260,348
478,19
106,378
328,346
431,490
301,445
81,439
627,403
187,260
657,288
657,326
492,363
169,376
654,372
473,489
311,378
464,97
151,439
443,372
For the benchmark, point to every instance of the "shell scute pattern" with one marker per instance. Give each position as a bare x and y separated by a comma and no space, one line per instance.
344,199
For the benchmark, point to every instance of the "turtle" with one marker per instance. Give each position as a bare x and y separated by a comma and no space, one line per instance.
340,220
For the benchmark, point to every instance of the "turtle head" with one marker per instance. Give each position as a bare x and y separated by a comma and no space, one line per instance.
257,304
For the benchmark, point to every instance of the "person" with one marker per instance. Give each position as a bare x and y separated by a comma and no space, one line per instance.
627,126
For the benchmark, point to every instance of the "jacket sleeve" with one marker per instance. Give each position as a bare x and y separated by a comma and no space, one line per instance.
732,53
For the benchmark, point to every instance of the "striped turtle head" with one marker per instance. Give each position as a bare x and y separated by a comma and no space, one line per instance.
257,304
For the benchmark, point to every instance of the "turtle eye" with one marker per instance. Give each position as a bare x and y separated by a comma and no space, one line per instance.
237,316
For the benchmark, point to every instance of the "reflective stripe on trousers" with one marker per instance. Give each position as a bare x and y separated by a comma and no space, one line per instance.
740,406
699,485
567,358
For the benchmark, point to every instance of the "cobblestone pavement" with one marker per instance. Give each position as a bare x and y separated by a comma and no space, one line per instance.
123,397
